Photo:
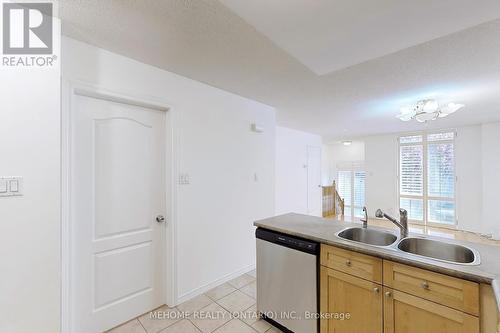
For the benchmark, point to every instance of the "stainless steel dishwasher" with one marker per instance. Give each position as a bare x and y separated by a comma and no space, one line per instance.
287,281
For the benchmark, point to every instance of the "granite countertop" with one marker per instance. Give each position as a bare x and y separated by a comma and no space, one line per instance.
324,231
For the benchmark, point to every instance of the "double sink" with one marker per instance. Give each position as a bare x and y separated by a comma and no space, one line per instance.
422,247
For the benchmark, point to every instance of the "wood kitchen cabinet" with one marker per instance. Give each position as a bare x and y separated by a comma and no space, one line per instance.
453,292
405,313
383,296
342,294
352,263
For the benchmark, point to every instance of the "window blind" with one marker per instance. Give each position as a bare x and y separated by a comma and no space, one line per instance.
359,188
427,177
345,186
440,170
351,187
441,182
411,170
359,192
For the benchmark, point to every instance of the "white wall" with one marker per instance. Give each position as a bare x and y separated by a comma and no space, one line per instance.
326,172
291,171
469,187
30,225
231,169
381,165
341,156
491,178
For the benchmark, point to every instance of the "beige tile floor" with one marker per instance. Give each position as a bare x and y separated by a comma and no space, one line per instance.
215,311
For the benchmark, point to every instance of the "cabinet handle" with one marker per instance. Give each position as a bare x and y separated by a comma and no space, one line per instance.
348,263
425,285
388,294
376,290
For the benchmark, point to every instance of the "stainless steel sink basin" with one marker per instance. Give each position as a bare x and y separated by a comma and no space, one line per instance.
452,253
368,236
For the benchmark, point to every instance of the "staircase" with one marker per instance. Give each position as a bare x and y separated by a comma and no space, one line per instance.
333,204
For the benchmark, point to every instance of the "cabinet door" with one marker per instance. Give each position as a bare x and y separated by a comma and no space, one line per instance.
456,293
404,313
354,304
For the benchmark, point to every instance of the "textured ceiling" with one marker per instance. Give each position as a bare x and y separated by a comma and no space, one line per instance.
328,35
206,41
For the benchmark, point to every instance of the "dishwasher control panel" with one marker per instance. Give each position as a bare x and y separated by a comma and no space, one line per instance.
288,241
295,242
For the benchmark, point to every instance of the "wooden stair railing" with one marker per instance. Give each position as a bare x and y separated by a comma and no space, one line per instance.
328,201
333,204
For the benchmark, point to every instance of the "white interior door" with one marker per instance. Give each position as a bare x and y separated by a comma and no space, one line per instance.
314,191
117,192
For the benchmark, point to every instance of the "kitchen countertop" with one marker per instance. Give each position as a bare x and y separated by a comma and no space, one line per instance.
324,231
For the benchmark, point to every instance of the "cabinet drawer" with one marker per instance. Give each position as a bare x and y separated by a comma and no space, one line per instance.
357,264
446,290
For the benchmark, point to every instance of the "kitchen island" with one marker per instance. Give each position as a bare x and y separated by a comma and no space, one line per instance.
392,284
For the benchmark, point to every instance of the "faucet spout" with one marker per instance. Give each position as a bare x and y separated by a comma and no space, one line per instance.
365,219
402,224
403,220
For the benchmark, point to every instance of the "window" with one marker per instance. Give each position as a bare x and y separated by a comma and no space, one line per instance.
427,177
351,186
345,190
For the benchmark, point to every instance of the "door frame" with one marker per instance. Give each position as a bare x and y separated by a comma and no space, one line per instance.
70,89
320,199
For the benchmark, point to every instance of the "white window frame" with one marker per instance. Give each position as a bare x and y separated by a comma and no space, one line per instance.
425,197
352,170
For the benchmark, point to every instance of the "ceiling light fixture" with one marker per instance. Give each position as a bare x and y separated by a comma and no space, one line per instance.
346,143
426,110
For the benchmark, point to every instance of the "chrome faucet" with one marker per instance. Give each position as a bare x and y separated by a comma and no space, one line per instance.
402,223
365,219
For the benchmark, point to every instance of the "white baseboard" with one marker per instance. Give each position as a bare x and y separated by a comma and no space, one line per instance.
200,290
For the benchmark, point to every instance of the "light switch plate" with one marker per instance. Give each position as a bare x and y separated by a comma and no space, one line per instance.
184,179
14,185
11,186
3,186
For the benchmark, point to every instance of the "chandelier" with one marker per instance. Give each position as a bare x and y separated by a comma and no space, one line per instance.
426,110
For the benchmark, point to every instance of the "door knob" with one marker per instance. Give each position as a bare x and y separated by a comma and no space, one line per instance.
160,219
388,294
